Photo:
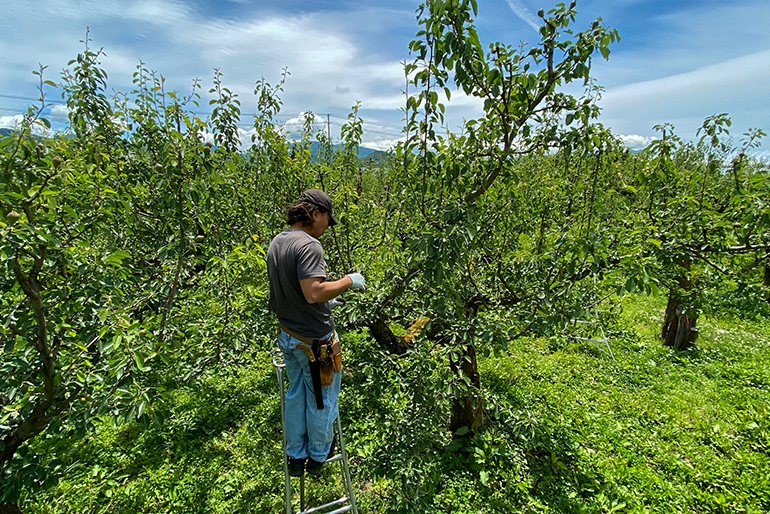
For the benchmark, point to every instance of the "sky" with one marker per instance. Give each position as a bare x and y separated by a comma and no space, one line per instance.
678,61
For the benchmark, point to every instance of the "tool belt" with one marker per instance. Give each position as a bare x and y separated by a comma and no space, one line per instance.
324,358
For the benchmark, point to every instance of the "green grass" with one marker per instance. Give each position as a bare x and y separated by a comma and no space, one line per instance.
655,431
568,430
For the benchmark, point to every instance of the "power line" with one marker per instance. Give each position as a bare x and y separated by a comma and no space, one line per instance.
385,125
30,99
202,113
17,113
316,120
372,131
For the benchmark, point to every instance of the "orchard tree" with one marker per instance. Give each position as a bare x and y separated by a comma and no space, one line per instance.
699,215
467,259
130,254
71,345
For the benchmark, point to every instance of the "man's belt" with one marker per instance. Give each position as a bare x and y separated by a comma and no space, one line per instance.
313,350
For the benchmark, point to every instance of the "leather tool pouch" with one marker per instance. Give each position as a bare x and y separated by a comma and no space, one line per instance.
329,357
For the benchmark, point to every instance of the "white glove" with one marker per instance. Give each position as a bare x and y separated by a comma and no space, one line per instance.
336,302
358,281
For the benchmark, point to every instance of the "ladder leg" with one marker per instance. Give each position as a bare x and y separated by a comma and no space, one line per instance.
287,478
346,469
302,493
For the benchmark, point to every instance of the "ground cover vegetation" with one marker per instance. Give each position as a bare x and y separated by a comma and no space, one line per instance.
136,336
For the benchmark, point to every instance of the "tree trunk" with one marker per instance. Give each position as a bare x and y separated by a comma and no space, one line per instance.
467,410
385,337
678,331
38,418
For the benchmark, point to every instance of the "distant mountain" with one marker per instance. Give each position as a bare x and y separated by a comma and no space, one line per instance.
9,132
375,157
363,152
763,156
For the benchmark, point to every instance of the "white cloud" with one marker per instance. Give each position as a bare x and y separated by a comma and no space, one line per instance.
392,102
635,141
301,118
308,47
518,7
60,110
331,68
685,99
245,136
681,39
15,122
154,12
11,121
337,57
722,76
382,144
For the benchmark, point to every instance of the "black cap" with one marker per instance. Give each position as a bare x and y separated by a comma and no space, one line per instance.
319,199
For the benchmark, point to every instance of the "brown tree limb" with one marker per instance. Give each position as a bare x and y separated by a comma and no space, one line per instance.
38,418
171,294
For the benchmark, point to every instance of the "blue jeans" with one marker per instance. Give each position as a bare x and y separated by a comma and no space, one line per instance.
309,431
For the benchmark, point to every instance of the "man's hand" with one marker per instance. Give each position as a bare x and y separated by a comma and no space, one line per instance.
336,302
358,281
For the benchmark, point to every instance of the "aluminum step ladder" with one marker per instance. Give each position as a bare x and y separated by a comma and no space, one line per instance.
594,322
344,504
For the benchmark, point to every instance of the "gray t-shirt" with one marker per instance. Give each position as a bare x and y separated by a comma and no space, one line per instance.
295,255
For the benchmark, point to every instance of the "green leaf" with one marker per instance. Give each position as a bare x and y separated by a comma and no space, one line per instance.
454,446
139,358
140,408
116,258
656,242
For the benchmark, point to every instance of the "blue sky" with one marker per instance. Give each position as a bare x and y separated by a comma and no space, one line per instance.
678,61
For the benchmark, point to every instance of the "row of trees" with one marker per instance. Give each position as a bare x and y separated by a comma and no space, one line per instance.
134,250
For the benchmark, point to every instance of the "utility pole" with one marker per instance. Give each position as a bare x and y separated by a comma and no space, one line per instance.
329,128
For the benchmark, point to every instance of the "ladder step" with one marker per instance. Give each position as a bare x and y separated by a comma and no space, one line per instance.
328,505
340,511
333,458
588,339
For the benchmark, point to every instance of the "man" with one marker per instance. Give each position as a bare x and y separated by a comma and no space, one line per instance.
300,297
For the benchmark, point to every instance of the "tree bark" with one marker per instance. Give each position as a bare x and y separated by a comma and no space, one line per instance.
676,331
386,338
39,417
467,410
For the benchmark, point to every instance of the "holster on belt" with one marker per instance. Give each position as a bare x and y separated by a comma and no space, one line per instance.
324,359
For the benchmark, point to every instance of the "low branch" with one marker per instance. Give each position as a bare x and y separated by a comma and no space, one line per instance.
705,259
171,295
15,330
757,262
732,250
